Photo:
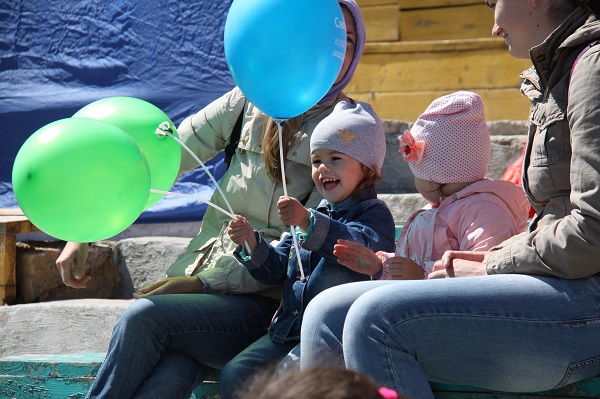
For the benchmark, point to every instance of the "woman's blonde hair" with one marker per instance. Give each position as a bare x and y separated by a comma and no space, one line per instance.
270,144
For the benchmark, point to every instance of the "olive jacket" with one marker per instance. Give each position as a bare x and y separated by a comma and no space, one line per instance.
561,171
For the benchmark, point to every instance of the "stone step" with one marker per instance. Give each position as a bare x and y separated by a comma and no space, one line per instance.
59,327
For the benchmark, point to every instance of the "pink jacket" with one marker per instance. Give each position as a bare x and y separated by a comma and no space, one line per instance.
476,218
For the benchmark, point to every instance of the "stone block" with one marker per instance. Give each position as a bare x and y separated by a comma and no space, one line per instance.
402,205
144,260
38,278
59,327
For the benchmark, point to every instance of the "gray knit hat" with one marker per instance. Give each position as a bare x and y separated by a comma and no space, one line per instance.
354,129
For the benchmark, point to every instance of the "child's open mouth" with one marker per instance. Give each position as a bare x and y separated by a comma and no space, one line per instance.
328,184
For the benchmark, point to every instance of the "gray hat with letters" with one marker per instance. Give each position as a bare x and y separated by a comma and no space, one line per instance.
354,129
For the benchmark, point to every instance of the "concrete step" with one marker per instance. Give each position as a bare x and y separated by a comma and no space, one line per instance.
59,327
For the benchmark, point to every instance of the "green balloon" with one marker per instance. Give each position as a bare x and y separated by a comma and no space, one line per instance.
81,179
140,119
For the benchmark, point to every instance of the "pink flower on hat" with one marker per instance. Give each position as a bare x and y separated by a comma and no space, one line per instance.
411,150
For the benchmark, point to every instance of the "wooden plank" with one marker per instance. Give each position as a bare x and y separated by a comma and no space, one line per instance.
44,388
462,22
589,388
364,4
412,4
70,375
381,23
11,212
79,364
500,104
8,273
13,221
62,376
398,71
16,225
437,46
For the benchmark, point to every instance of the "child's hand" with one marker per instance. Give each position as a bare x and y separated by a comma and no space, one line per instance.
403,269
293,213
357,257
241,231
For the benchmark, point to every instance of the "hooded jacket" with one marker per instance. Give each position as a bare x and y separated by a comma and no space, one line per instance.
561,173
246,185
363,219
476,218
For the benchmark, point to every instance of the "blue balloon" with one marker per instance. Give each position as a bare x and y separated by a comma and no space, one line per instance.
285,54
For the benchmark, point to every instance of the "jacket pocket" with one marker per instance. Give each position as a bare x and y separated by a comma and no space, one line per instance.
551,142
580,371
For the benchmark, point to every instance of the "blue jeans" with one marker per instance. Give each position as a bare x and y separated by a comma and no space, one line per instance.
502,332
262,356
164,345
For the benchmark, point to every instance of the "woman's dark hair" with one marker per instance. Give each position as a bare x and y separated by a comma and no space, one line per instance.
566,7
593,6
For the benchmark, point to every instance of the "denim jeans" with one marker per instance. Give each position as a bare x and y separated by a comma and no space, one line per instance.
503,332
164,345
262,356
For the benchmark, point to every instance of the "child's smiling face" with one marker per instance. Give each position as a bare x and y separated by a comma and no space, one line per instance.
335,174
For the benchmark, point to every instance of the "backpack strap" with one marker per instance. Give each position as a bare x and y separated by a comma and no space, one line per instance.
582,53
234,140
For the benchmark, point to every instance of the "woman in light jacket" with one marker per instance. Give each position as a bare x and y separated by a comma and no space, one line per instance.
180,327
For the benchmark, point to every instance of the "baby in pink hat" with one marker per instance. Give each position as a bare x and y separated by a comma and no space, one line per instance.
448,151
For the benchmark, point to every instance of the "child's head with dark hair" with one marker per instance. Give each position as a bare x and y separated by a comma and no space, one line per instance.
315,383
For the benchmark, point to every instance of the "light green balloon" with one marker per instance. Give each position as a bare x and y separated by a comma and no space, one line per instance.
140,119
81,179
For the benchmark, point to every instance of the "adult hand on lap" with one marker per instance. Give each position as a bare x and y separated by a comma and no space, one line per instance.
460,264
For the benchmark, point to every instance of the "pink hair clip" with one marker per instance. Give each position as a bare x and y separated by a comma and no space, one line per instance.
388,393
411,150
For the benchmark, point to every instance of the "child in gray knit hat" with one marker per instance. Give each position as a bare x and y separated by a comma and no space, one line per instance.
347,152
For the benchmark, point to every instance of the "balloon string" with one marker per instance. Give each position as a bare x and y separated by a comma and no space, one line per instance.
280,123
230,214
196,197
203,167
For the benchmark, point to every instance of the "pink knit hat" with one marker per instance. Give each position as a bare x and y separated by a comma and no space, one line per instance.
450,142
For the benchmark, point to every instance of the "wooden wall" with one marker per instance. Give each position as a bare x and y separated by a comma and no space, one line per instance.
418,50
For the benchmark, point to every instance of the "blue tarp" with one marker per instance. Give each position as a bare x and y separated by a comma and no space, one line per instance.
57,56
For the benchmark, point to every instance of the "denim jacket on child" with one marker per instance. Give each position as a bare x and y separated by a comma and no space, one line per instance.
363,219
